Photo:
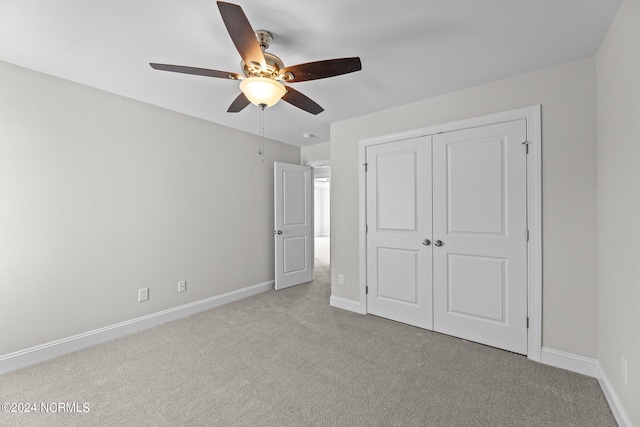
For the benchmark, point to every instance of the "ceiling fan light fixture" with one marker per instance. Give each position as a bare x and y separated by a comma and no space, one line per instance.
262,90
265,72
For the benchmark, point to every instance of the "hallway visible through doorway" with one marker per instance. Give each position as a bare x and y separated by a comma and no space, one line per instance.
321,190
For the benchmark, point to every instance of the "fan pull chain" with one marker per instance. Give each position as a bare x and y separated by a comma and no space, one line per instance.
261,149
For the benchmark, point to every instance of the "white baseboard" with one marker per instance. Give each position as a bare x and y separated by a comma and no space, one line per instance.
621,416
40,353
591,367
346,304
569,361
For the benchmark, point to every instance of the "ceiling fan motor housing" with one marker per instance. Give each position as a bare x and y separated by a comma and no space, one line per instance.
274,65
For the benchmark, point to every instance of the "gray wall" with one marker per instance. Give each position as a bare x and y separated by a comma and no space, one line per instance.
618,72
568,98
315,153
101,195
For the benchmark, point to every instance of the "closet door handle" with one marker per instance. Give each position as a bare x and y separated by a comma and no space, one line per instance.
438,243
426,242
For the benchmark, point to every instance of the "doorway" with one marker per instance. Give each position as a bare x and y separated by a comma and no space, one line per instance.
322,215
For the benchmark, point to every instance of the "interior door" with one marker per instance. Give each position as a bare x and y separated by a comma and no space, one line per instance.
399,231
480,235
293,230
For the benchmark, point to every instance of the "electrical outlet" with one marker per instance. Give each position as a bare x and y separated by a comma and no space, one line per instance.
143,294
623,369
340,279
182,286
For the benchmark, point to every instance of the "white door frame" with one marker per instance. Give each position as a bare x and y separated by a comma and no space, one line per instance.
534,207
318,163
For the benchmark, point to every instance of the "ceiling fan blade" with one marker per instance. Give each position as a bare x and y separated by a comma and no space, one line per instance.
197,71
320,69
239,104
242,34
301,101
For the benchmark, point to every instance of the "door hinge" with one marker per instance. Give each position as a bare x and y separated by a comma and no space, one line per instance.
527,323
366,290
366,228
366,166
526,146
527,234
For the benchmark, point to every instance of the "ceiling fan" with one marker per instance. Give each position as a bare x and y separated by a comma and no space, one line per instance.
264,74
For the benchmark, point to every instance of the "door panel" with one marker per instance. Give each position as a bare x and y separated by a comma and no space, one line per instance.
399,219
293,195
396,178
398,266
294,187
295,251
475,178
480,270
464,290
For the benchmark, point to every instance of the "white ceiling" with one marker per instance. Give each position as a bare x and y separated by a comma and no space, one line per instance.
410,49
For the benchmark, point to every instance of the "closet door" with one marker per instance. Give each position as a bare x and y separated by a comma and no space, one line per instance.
480,235
399,231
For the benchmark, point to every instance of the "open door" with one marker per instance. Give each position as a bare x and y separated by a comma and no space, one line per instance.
293,229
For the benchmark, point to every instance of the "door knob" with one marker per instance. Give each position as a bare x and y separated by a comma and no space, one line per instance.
426,242
277,232
438,243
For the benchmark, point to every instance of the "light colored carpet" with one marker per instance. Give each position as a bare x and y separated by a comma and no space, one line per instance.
287,358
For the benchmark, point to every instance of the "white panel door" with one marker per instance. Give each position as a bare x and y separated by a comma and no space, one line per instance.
480,235
399,231
293,232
